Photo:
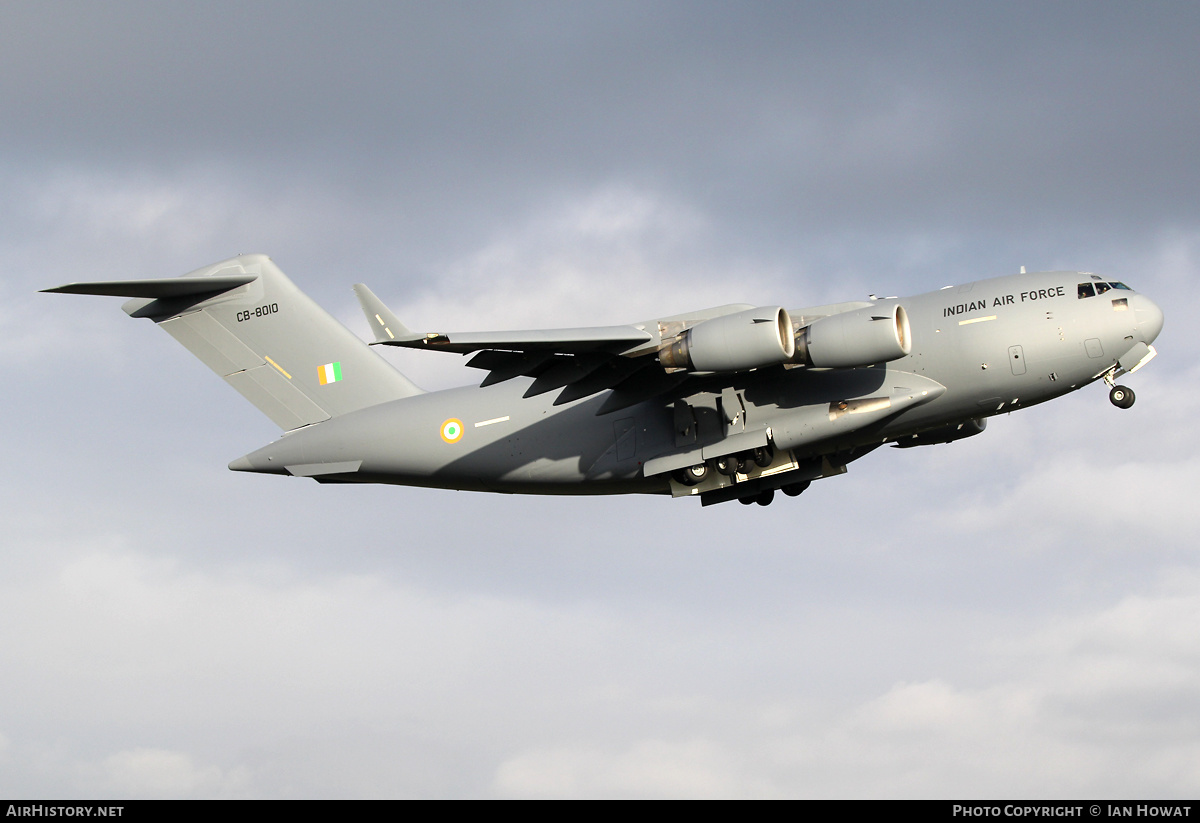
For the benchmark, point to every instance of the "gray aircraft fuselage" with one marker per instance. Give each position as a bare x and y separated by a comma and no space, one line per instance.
977,350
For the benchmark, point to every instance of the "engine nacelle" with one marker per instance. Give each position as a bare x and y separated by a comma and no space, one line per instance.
862,337
736,342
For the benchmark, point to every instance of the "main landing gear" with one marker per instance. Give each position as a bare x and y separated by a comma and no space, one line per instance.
727,465
731,465
796,489
692,475
764,498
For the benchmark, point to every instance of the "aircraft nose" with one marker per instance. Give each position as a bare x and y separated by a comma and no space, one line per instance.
1149,317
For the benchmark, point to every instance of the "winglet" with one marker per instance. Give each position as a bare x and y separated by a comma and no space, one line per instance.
384,324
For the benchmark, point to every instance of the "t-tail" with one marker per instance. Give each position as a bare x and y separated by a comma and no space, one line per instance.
250,324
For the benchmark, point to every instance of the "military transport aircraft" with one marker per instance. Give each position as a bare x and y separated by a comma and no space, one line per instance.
727,403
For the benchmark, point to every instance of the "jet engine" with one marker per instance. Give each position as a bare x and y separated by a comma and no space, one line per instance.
736,342
862,337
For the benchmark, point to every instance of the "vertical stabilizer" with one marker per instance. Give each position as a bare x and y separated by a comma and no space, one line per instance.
250,324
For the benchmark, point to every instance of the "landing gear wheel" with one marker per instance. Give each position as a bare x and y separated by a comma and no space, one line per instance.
796,489
765,498
746,501
692,475
727,465
763,456
1121,396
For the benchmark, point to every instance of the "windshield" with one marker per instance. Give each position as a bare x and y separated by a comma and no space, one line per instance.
1093,289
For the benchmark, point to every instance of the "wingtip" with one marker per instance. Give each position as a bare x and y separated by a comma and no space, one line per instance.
386,327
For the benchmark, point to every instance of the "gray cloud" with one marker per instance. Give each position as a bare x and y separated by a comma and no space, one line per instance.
1012,614
793,119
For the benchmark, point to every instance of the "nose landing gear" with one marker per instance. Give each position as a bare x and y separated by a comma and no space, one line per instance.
1122,397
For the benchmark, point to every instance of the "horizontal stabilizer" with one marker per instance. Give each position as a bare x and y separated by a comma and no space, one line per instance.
160,287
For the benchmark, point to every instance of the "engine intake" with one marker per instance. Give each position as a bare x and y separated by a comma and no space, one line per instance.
736,342
862,337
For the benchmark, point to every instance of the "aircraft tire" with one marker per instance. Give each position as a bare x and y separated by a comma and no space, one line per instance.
746,501
763,456
1122,397
692,475
727,465
764,498
796,489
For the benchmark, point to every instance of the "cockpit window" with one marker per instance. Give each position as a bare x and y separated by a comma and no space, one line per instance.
1093,289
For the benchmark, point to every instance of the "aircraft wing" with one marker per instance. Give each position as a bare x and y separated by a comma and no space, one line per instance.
579,361
614,339
583,361
389,331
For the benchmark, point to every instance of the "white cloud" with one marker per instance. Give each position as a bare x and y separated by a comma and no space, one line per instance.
158,773
1090,705
615,255
117,208
611,256
695,768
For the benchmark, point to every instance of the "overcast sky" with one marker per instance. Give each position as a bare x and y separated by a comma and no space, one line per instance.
1013,615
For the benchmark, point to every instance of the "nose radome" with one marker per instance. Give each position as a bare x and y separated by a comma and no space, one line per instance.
1149,317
